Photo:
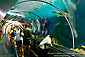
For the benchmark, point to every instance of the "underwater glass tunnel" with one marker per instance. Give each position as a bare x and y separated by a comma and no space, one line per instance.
60,19
57,17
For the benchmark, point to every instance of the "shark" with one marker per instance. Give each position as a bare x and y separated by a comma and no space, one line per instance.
59,14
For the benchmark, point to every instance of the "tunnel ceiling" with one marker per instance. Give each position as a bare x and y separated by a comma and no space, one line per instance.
42,9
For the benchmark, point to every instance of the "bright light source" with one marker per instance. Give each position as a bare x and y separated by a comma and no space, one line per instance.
2,14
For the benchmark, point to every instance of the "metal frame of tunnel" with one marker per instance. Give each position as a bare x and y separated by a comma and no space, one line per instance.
30,12
8,24
60,12
5,30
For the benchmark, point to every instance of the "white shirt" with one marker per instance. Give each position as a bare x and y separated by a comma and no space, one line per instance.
18,38
47,40
28,29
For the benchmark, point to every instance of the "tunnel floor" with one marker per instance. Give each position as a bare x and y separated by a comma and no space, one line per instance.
8,51
5,51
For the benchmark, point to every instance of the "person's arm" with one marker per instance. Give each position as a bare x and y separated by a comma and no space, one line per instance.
49,42
43,42
22,34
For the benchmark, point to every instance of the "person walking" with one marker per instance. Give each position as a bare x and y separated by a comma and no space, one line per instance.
27,38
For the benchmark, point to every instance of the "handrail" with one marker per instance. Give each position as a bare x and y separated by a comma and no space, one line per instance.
53,48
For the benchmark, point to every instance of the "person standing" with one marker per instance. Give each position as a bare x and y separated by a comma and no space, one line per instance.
44,32
13,35
18,40
27,38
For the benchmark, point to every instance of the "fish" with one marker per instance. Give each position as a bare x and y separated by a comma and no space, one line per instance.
59,14
57,23
83,46
66,24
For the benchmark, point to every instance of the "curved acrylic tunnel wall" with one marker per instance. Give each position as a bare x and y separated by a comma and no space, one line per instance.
56,23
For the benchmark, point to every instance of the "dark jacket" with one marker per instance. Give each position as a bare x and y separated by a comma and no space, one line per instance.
27,33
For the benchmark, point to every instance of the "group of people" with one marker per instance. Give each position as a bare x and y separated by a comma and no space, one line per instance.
34,25
21,37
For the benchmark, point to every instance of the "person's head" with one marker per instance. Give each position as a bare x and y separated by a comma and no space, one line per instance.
51,36
14,29
23,26
32,20
26,25
18,27
11,26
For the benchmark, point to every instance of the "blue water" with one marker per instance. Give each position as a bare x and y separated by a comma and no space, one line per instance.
58,26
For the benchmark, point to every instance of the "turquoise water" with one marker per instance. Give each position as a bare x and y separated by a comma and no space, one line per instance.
57,25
